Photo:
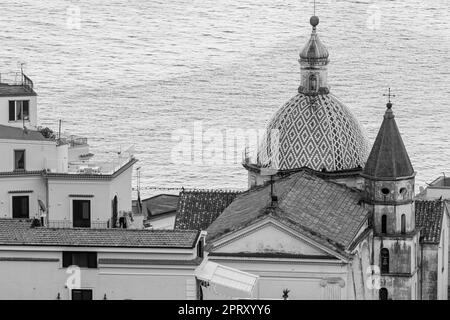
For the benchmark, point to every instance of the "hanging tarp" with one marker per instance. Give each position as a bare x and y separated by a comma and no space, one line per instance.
219,275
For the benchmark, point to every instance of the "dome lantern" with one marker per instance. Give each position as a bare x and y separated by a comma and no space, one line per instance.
313,64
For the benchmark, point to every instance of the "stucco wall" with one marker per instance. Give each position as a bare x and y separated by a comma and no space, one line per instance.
4,111
60,204
38,154
429,272
45,279
25,183
306,280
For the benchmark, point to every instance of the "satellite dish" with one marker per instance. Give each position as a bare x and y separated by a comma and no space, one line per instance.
42,205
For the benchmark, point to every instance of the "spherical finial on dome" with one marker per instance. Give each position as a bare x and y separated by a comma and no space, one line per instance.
314,21
389,105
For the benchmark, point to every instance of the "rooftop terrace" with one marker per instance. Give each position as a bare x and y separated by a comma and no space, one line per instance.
16,84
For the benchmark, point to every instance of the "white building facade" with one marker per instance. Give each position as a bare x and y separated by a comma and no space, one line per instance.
49,176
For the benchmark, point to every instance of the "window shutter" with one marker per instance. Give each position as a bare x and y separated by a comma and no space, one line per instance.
12,110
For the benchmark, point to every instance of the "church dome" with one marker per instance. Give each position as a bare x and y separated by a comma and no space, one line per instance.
313,129
318,132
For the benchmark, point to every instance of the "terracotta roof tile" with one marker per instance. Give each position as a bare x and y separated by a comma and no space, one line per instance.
197,209
19,232
328,211
429,217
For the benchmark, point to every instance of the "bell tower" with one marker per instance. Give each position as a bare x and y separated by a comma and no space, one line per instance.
389,195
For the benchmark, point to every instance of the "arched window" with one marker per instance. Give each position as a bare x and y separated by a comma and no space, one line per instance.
383,294
403,224
312,83
384,257
383,223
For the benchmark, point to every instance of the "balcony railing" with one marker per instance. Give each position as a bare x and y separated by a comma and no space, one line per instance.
66,224
17,79
86,166
73,141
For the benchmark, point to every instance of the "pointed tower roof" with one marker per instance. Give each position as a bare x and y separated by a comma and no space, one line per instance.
388,158
314,51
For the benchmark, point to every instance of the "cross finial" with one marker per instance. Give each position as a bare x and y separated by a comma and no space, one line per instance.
314,7
389,95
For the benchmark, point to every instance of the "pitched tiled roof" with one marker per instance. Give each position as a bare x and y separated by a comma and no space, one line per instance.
326,211
197,209
13,133
429,218
19,232
388,158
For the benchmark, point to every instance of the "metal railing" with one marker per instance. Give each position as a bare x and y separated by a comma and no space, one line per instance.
73,141
17,79
67,224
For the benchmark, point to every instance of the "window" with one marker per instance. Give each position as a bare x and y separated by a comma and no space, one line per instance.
20,207
19,110
80,259
383,294
81,294
313,83
385,191
81,213
403,224
383,223
384,255
200,249
19,159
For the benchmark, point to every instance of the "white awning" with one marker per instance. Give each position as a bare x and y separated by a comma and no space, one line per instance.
221,275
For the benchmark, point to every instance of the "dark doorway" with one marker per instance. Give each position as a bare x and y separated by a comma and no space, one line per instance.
383,294
20,207
383,223
114,212
81,294
81,213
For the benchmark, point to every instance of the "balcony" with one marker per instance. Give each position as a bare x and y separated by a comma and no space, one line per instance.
73,141
17,79
87,166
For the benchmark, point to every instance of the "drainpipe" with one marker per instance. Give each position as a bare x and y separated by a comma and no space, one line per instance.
47,199
421,270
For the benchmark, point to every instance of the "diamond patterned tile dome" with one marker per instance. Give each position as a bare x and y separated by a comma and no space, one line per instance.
318,132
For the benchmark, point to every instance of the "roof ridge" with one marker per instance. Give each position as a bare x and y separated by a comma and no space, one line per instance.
192,190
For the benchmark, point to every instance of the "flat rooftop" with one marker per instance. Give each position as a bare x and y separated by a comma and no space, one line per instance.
441,182
15,90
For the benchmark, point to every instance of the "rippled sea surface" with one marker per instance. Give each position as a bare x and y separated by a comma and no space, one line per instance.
136,71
